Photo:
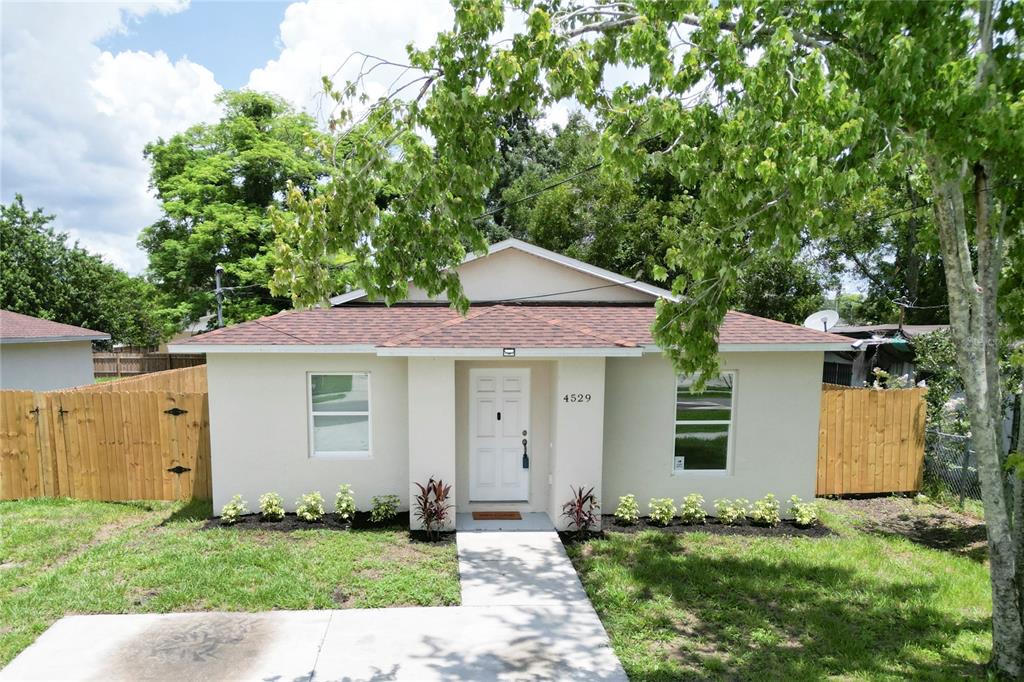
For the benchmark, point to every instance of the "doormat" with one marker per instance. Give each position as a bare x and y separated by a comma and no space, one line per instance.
497,516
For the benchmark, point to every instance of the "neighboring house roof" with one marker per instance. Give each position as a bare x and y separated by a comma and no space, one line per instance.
540,252
603,329
18,328
867,331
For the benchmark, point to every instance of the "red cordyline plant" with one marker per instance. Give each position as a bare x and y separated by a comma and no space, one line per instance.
582,510
432,507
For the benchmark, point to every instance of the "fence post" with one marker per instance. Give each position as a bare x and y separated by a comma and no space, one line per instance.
963,473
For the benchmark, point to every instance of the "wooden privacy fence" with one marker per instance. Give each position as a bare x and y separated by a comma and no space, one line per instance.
105,445
131,364
186,380
870,441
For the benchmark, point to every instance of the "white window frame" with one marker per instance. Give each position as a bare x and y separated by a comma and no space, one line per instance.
368,413
730,434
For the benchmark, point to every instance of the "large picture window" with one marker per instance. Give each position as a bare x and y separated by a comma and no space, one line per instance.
339,415
703,424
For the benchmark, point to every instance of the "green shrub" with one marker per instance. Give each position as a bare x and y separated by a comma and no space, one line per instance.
345,503
383,507
233,511
731,512
691,509
271,507
310,507
804,513
765,512
628,511
662,510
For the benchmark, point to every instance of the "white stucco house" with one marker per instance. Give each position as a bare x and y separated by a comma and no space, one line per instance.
41,355
551,380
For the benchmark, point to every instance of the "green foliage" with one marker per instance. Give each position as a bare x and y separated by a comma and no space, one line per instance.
804,513
731,512
383,508
271,507
628,511
661,510
765,512
42,275
310,507
215,183
231,512
691,509
345,503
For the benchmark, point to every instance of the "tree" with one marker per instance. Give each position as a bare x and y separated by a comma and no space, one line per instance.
42,275
215,183
771,119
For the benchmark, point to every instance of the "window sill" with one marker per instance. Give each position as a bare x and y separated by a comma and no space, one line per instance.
714,473
341,455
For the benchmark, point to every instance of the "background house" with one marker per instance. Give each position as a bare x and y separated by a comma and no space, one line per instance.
887,346
41,355
551,380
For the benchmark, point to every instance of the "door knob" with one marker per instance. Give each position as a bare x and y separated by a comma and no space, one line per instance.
526,457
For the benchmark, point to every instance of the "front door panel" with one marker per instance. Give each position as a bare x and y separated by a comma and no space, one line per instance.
499,412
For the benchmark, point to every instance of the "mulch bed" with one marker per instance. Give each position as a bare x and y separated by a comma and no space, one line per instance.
712,525
291,523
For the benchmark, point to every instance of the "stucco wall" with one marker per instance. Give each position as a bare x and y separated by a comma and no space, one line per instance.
514,274
775,435
431,426
260,435
540,430
45,366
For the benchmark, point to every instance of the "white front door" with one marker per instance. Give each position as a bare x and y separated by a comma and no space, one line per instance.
499,422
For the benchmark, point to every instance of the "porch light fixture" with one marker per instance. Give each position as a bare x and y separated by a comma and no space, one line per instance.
508,352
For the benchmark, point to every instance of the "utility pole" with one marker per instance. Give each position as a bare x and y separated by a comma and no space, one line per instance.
217,272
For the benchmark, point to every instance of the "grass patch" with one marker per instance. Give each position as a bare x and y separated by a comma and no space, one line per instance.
66,556
851,605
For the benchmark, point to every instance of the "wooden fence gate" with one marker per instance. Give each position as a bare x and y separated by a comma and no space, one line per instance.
105,445
870,441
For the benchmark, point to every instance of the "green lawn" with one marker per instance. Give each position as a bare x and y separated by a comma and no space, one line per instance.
856,605
59,557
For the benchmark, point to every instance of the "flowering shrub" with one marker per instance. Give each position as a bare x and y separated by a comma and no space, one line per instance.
765,512
628,511
345,503
271,507
804,513
383,507
731,512
233,510
662,510
691,509
310,507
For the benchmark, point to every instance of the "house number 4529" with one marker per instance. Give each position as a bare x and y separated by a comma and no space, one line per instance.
576,397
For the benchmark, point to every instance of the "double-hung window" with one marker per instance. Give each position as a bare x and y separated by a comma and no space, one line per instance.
339,415
704,423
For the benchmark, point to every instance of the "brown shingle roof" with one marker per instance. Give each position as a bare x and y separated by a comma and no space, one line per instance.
18,327
488,326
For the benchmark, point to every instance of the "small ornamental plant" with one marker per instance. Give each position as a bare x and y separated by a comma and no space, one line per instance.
271,507
582,509
310,507
432,506
691,509
233,511
383,507
765,512
661,510
628,511
731,512
805,514
345,503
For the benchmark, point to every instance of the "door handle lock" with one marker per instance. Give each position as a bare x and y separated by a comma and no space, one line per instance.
526,457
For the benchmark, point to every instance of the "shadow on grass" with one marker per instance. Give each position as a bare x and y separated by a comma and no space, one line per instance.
747,618
191,511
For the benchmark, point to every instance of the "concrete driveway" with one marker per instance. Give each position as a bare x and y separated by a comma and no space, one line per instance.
524,617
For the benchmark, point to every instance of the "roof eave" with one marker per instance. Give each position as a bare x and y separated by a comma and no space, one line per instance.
53,339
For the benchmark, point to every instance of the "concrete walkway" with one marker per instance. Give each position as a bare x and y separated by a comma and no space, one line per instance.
524,617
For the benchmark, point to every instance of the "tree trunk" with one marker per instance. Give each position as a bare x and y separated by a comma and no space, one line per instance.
972,306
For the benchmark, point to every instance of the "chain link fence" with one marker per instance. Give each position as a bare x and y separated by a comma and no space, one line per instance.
950,461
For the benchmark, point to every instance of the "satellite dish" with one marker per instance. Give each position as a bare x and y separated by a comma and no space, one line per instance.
822,320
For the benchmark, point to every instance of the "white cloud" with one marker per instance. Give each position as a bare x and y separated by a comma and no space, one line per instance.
75,118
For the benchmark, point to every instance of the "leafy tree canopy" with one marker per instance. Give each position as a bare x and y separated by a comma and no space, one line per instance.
42,275
215,183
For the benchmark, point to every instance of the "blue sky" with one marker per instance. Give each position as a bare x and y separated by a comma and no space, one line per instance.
229,38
